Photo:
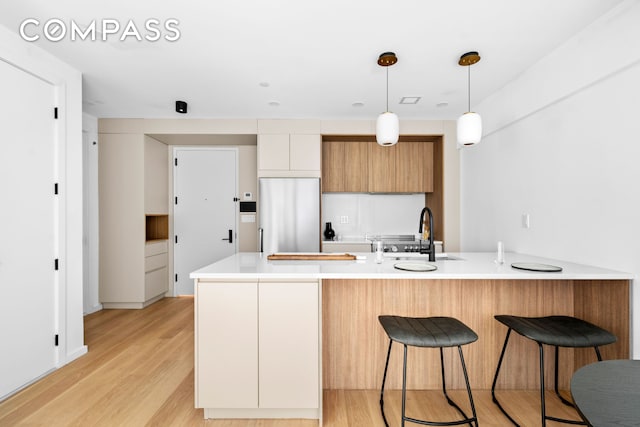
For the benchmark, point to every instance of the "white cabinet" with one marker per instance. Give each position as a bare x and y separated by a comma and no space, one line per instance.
257,349
134,203
296,155
288,337
273,152
226,345
155,269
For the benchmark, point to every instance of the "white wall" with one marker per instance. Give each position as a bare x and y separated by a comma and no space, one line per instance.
562,145
68,82
372,213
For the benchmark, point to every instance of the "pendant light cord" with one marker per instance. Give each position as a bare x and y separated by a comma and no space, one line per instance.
469,88
387,89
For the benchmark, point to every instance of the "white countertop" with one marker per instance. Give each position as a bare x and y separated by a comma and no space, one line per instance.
472,265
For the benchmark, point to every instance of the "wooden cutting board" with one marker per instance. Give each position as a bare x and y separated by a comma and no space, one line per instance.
311,257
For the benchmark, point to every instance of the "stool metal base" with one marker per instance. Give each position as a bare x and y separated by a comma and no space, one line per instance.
545,417
467,420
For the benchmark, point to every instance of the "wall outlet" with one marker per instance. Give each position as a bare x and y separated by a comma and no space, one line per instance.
344,219
526,220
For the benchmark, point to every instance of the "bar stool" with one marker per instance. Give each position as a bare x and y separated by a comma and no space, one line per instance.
558,331
428,332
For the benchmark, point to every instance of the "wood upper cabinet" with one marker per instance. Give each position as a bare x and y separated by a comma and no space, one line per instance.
382,168
345,166
414,167
364,166
333,166
356,170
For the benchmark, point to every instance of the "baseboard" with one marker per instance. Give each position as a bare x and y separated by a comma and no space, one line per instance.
131,305
93,309
76,354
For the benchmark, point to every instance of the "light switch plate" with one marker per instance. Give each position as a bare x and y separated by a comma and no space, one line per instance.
526,220
344,219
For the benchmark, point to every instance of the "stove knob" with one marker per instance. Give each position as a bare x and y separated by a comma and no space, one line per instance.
407,248
394,248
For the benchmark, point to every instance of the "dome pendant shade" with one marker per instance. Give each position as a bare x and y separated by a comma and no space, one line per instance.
469,128
387,129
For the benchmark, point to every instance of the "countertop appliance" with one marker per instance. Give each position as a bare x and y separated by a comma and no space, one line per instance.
289,215
404,243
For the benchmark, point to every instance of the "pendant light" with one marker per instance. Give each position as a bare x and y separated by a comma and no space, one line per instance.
470,123
387,125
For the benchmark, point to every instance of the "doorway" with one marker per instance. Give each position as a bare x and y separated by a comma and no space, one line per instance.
204,212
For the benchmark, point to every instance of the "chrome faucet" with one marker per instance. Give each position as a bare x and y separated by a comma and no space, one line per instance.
431,249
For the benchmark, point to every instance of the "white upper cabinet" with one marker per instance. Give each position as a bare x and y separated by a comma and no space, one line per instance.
289,148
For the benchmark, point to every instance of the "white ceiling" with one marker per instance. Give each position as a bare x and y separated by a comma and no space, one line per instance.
318,58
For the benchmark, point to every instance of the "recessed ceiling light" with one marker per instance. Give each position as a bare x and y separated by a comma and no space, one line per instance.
264,84
274,104
358,104
442,104
410,99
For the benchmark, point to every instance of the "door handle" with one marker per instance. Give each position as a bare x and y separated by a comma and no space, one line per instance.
230,238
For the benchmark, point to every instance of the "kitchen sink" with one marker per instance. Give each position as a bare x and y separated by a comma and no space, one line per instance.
418,256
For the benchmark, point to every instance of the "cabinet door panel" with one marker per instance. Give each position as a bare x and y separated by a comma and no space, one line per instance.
414,163
382,168
289,359
273,152
333,164
227,345
155,282
356,172
304,152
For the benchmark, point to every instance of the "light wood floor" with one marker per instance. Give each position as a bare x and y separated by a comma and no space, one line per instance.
139,372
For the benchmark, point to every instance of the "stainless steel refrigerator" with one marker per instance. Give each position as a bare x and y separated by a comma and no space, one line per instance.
289,215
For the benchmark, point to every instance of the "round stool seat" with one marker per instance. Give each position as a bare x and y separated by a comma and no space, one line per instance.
427,331
560,331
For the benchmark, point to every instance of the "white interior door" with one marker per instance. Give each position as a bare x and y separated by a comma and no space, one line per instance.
27,229
204,221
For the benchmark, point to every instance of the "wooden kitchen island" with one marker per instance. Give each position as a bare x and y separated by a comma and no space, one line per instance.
271,335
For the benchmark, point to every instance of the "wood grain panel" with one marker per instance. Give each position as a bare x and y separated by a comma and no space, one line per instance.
382,168
333,164
435,199
354,344
414,167
608,307
356,166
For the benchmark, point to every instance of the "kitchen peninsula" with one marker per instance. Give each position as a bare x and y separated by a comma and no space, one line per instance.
271,335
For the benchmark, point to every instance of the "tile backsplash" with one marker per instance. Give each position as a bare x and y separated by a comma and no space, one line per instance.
371,213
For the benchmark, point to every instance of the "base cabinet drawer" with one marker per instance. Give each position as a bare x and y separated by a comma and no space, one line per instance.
155,262
155,283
